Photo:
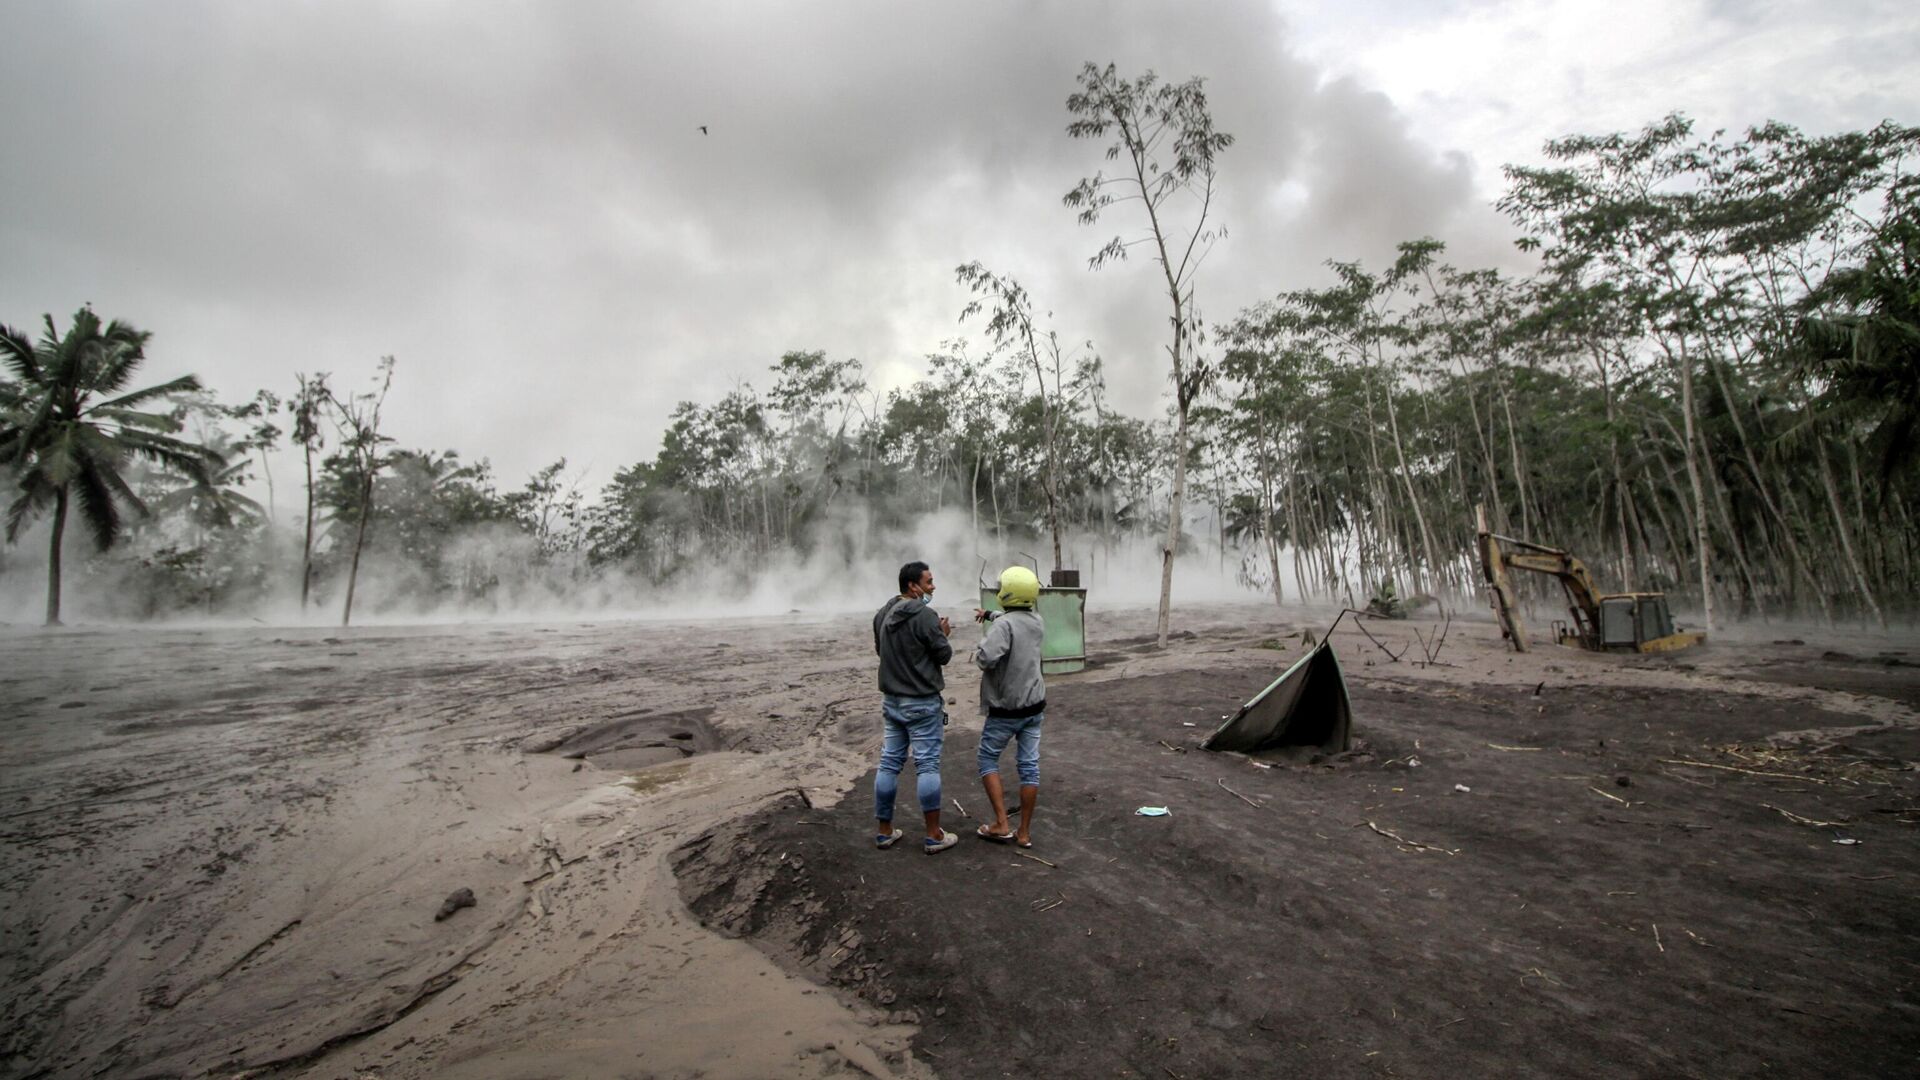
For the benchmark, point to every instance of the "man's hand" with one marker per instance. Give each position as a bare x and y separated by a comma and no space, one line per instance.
979,615
946,626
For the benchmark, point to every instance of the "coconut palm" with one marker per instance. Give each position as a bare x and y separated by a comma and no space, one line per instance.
68,427
211,500
1867,348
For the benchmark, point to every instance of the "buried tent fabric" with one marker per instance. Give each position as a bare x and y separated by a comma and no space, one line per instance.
1305,706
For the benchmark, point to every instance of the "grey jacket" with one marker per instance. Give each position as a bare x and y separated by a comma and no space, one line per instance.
906,634
1009,660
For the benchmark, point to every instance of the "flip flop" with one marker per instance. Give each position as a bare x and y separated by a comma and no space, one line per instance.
985,832
1017,842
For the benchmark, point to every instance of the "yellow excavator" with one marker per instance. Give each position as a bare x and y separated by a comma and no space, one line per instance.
1609,622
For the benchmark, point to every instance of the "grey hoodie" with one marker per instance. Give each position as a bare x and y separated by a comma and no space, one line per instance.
906,634
1009,660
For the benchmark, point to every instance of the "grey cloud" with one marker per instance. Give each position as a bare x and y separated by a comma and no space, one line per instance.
517,201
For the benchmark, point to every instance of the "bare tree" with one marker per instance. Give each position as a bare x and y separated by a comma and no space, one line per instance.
305,406
358,421
1162,134
1011,322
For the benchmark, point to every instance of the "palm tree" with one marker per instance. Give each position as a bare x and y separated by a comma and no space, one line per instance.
212,499
61,442
1867,345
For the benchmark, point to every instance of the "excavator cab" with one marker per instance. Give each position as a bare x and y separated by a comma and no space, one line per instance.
1631,622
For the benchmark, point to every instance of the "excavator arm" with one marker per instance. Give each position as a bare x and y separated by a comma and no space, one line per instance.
1499,553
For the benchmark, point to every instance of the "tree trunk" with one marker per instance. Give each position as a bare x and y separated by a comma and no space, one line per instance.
1702,540
1267,513
1846,535
1406,478
267,471
1676,552
1048,407
359,538
1760,484
974,505
306,547
53,555
1519,468
993,490
1173,508
1742,563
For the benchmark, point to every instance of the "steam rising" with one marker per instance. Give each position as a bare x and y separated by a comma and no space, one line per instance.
851,567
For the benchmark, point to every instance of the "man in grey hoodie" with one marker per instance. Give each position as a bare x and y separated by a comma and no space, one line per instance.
912,643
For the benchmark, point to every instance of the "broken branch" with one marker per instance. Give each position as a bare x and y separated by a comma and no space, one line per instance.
1398,839
1223,786
1749,772
1798,820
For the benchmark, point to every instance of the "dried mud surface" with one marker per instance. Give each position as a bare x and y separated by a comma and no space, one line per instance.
1516,874
223,851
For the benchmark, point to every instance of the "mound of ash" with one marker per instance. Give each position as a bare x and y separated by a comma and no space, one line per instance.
763,890
634,741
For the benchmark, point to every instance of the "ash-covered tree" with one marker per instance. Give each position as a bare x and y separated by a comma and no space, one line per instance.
1162,136
69,426
1010,323
307,406
357,419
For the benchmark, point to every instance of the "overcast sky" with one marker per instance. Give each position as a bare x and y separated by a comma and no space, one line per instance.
517,201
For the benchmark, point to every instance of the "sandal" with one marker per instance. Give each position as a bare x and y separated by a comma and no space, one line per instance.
985,832
1017,842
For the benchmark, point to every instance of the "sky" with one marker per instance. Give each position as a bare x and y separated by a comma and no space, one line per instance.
517,201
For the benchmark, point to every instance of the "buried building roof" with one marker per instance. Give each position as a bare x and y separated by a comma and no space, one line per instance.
1305,706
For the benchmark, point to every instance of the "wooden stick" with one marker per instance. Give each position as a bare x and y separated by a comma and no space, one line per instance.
1652,824
1656,938
1223,786
1035,858
1398,839
1797,819
1749,772
1497,746
962,809
1170,746
1608,795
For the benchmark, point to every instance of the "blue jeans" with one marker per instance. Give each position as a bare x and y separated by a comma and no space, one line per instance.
909,720
1026,755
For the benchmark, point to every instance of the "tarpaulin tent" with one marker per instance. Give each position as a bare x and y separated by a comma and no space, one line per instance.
1306,706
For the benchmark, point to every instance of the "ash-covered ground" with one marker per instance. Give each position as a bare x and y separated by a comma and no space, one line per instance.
225,851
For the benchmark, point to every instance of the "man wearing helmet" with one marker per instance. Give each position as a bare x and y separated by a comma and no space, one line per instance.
913,647
1014,696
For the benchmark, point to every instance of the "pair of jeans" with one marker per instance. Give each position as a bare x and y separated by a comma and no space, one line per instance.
1025,733
919,722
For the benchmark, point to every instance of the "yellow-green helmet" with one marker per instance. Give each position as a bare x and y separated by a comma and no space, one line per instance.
1019,588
